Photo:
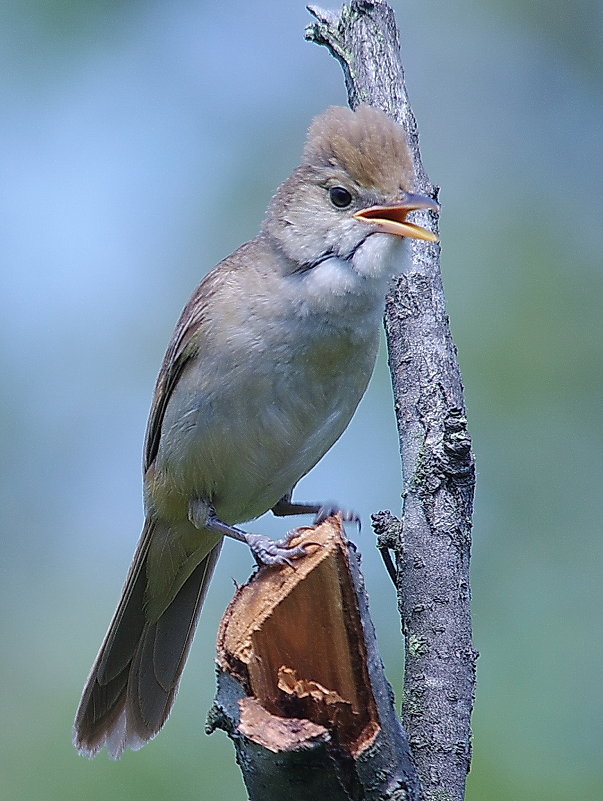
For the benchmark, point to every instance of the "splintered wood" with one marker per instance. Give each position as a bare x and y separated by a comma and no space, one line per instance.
293,638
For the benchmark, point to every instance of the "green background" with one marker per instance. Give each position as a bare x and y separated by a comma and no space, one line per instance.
140,142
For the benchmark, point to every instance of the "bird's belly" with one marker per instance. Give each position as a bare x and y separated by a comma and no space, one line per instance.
246,446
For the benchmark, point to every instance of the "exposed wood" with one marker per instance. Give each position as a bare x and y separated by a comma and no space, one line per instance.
300,677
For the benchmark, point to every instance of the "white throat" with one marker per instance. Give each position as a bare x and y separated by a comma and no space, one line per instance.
354,286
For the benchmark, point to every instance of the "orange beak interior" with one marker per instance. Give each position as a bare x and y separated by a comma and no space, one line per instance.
392,219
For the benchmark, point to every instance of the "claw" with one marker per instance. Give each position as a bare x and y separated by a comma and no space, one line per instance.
329,509
293,533
271,552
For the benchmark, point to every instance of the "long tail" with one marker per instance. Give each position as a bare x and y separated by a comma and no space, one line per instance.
134,680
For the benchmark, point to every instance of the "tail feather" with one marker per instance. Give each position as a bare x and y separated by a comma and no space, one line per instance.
133,683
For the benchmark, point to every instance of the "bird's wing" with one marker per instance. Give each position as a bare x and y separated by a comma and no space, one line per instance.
188,337
184,345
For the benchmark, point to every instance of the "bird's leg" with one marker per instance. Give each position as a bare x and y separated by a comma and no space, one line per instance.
266,551
321,511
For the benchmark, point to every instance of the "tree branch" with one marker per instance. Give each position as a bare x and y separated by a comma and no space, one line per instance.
432,541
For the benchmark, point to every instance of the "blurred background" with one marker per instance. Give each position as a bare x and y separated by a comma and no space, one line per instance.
140,143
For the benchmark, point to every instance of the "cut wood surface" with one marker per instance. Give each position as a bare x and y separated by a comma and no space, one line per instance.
293,637
299,675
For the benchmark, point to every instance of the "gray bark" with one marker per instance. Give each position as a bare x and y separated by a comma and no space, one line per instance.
432,541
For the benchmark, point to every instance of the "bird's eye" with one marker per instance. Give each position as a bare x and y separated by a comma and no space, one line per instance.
340,197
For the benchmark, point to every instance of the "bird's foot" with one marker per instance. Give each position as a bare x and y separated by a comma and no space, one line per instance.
276,552
321,511
265,550
329,509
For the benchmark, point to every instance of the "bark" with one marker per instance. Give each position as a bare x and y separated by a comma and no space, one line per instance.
432,541
301,688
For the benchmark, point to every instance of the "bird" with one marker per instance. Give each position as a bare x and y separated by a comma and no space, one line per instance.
266,366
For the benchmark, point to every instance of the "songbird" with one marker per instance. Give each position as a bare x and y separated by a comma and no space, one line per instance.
265,369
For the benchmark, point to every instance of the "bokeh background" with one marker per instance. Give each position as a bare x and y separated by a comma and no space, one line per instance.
140,143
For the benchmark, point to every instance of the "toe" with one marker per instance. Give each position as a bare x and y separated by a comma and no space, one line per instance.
270,552
331,509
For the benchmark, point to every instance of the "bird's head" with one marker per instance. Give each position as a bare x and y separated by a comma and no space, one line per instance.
355,181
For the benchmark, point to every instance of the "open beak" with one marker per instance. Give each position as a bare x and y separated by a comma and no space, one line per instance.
392,219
